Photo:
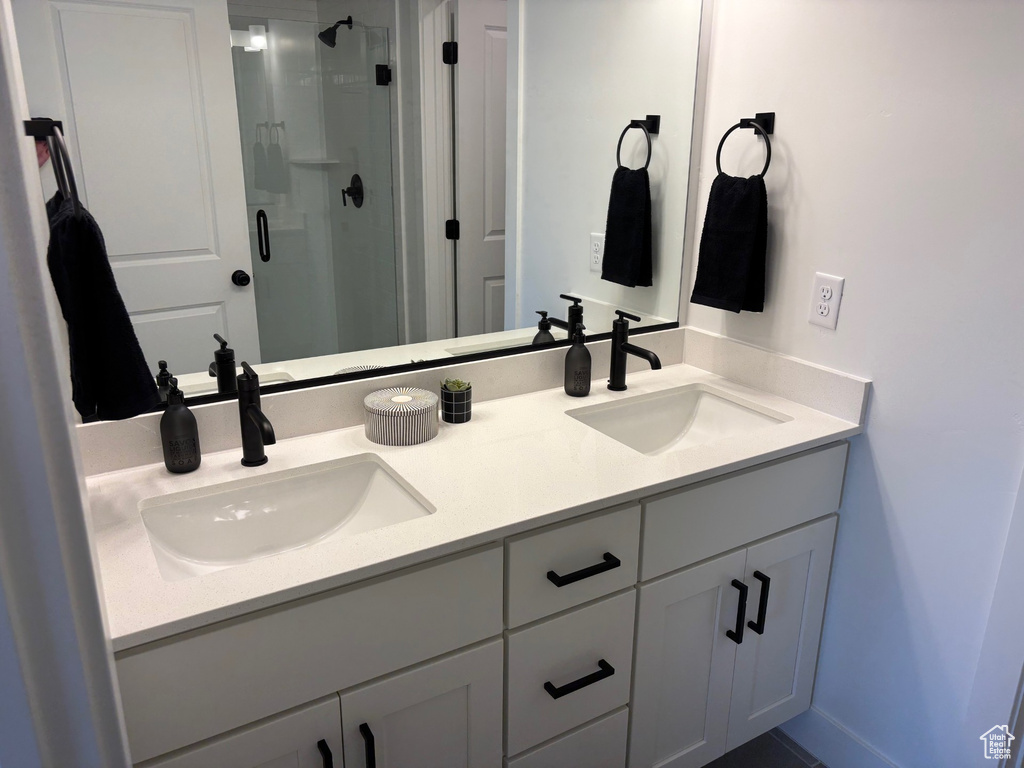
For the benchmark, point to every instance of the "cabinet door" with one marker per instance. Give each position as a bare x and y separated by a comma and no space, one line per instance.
291,740
446,714
684,665
774,674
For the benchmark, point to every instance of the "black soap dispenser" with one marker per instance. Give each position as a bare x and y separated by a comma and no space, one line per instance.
543,329
179,434
577,365
163,381
223,367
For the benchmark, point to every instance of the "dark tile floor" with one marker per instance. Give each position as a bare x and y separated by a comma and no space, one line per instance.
773,750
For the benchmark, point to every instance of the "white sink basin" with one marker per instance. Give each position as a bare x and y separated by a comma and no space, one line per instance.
676,419
209,529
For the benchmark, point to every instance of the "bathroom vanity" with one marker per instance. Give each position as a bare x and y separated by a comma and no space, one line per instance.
563,599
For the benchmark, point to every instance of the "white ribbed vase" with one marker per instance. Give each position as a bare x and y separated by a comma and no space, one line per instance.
401,416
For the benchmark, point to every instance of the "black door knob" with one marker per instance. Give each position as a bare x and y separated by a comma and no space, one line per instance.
240,278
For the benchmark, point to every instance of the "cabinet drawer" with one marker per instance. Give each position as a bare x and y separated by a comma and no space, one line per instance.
691,525
601,744
290,739
574,554
565,653
188,688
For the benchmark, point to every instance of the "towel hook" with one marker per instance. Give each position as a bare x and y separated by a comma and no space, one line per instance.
768,121
643,127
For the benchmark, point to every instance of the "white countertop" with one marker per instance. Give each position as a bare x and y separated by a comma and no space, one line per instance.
520,463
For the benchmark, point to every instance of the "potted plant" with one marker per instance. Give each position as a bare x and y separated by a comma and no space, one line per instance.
456,401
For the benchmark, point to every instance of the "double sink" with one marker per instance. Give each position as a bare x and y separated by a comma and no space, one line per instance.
209,529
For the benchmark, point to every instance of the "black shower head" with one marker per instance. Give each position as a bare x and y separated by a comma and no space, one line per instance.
329,36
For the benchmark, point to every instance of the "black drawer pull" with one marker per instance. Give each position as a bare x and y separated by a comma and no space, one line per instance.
762,604
736,635
610,562
371,750
606,670
325,753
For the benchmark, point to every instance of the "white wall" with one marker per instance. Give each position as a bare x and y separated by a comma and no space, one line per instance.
897,164
588,67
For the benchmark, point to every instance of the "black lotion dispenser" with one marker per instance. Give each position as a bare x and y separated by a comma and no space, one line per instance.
223,367
577,365
179,434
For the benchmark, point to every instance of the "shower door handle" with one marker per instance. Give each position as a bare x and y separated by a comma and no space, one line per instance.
263,235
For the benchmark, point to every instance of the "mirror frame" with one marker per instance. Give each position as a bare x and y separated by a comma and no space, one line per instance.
693,183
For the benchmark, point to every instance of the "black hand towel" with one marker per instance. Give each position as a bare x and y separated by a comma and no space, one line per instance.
627,238
730,273
109,375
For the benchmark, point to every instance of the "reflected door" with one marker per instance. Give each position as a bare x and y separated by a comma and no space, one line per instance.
152,133
316,144
480,165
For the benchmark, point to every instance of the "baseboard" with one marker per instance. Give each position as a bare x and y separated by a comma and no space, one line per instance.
828,741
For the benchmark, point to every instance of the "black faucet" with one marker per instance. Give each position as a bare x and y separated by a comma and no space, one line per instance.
575,315
621,347
223,367
257,431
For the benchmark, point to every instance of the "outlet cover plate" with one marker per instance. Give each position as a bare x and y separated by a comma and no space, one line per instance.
596,251
826,296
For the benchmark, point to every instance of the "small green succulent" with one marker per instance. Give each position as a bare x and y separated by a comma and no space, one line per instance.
456,385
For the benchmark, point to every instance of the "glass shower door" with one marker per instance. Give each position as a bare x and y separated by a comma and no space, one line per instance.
309,119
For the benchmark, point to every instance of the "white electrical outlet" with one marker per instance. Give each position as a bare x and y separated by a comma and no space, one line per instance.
596,251
825,299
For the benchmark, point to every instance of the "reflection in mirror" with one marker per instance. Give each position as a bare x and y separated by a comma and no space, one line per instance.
313,181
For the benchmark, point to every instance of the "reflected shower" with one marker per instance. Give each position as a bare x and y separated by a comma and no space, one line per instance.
329,36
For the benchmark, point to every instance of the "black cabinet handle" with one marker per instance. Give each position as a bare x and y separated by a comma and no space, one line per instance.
263,234
325,753
762,604
371,750
736,635
610,562
606,670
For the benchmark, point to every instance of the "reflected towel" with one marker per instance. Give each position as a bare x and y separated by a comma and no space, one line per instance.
109,375
259,165
277,172
733,245
627,239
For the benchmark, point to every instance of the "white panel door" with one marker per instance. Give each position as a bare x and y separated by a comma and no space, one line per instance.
480,164
446,714
291,740
684,665
146,92
774,675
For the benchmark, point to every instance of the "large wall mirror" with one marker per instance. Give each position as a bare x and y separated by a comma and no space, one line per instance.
284,173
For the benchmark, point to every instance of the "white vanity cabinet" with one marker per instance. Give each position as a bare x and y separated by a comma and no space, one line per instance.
557,647
726,650
445,713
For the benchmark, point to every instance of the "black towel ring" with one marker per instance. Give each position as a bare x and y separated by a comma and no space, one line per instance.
618,149
747,124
